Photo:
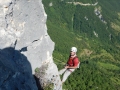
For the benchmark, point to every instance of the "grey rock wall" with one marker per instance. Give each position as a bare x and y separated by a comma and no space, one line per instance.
25,45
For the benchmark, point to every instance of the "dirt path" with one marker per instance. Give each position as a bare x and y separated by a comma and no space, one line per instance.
80,3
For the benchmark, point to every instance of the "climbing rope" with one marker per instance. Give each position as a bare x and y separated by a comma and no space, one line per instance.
59,61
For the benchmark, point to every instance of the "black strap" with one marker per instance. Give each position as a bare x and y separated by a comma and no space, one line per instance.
74,59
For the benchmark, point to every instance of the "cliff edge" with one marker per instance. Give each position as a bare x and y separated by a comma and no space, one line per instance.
25,46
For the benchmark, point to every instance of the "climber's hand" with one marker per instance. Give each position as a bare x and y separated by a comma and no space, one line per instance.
66,67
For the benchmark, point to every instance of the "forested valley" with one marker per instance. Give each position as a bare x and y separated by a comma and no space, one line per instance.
93,26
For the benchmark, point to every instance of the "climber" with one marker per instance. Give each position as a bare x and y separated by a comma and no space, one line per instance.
72,63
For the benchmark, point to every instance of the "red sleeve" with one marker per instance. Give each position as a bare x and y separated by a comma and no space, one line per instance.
76,62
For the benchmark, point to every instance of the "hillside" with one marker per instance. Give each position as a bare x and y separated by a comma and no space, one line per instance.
93,27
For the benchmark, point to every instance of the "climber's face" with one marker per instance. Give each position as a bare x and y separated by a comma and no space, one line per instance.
72,53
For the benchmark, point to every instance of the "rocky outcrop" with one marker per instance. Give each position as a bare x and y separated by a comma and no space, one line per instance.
25,45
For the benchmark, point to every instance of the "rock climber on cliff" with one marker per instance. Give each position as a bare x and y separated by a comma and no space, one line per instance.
72,63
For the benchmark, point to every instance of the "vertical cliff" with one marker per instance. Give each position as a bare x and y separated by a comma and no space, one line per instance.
25,45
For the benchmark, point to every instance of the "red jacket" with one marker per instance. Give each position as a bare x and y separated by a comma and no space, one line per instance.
73,61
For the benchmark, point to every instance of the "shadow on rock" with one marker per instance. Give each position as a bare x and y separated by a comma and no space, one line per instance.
15,71
38,83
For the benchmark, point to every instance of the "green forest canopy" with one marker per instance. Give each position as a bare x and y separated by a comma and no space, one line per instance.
95,31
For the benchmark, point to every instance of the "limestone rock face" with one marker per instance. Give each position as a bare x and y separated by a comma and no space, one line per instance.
24,45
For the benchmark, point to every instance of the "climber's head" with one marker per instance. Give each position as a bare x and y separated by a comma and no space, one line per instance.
73,51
